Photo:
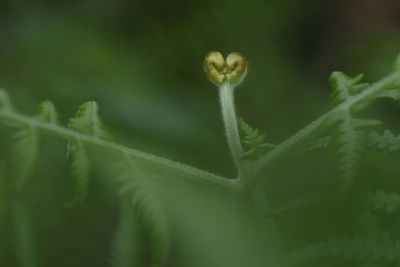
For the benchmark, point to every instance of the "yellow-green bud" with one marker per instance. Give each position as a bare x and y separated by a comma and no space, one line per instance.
219,70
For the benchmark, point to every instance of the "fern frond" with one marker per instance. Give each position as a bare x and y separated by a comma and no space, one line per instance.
24,238
152,217
349,143
87,120
384,201
349,139
345,86
380,249
350,146
128,244
253,141
47,113
80,172
25,152
387,141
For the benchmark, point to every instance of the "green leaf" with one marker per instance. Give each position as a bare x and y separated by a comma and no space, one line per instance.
80,172
148,209
345,86
128,244
253,141
26,148
47,113
87,120
349,139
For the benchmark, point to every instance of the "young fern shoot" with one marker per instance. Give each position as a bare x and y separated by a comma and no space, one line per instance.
227,74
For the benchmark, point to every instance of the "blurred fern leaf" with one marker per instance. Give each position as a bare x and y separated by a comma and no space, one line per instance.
87,120
80,171
25,152
148,209
47,113
386,141
128,242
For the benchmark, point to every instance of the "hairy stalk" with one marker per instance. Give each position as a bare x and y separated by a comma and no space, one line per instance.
194,173
230,122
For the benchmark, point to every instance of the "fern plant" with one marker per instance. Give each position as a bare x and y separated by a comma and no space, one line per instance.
145,233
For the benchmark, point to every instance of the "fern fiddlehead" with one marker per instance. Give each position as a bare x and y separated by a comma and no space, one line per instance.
227,74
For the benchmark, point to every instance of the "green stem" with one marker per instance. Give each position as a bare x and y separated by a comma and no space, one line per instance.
230,121
193,173
389,81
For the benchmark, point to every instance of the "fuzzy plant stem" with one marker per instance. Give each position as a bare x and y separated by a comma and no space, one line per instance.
230,122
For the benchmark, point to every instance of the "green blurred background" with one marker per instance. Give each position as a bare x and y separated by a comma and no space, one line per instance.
142,62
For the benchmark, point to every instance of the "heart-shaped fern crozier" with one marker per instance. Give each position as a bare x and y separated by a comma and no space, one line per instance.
232,70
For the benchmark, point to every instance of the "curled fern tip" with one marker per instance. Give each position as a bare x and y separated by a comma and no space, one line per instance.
233,69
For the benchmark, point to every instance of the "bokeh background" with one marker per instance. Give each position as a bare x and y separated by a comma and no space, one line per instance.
142,62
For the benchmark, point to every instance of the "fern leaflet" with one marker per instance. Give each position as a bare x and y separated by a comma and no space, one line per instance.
87,120
253,141
344,86
149,211
25,152
47,113
128,242
385,142
349,139
80,171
